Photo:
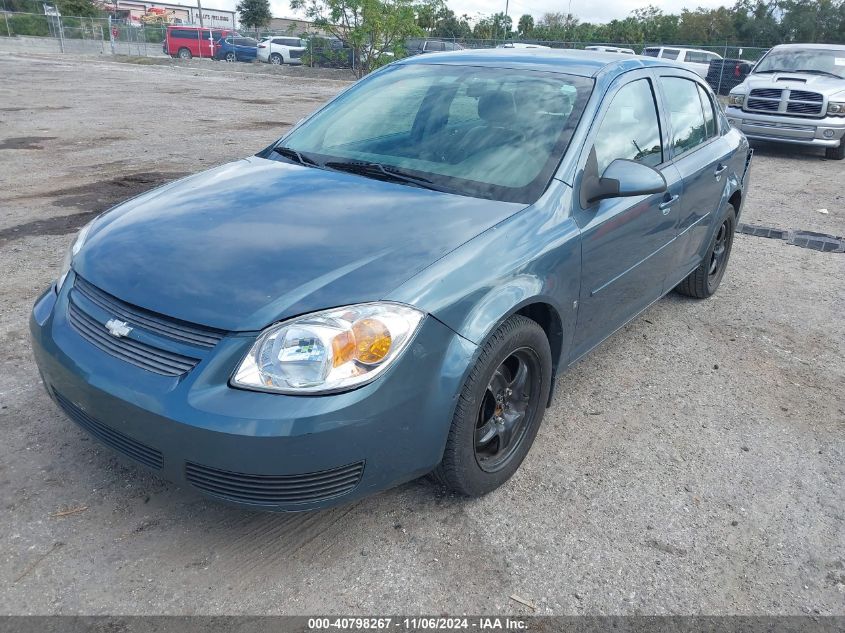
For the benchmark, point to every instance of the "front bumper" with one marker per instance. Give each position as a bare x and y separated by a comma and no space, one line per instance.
268,451
827,132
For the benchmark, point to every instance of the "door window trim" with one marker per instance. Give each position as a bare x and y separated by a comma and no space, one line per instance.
661,73
598,118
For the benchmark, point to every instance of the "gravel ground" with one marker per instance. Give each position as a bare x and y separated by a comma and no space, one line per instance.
691,465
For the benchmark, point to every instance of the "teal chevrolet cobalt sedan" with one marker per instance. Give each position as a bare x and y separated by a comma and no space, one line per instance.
390,289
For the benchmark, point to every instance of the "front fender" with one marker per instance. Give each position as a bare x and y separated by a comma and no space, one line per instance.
532,257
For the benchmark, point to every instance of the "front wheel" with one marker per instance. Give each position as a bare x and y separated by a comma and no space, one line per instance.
704,280
499,409
836,153
230,57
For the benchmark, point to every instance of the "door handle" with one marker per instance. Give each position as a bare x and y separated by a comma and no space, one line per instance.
720,170
667,204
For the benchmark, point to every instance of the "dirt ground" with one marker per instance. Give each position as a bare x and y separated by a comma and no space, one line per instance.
694,464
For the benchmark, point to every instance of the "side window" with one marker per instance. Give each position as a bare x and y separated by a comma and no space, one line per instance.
709,113
670,53
630,128
651,52
685,113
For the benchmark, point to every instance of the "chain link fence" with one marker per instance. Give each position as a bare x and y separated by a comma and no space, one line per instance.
86,35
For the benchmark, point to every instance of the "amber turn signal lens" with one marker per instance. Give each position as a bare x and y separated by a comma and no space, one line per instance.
343,348
372,340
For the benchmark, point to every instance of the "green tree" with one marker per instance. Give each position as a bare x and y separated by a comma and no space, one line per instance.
375,30
77,8
525,26
254,13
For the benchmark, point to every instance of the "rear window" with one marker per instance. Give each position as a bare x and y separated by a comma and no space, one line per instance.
670,53
651,52
287,41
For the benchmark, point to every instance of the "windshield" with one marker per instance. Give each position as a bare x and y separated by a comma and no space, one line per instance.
812,60
492,133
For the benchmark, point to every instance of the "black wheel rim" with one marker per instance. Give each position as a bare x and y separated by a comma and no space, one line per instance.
721,249
507,409
230,57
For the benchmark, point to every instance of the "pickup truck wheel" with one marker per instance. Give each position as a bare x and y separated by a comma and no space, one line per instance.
276,59
499,409
184,53
836,153
704,280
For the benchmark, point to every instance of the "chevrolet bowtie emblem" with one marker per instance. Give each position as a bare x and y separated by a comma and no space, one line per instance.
118,329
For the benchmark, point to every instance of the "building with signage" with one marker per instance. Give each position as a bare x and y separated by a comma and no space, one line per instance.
139,12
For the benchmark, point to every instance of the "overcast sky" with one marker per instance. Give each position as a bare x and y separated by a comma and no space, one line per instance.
584,10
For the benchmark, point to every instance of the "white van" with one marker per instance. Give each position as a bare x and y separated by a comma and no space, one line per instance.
611,49
695,59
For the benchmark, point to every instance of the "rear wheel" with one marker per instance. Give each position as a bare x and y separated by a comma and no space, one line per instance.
836,153
184,53
704,280
276,59
499,409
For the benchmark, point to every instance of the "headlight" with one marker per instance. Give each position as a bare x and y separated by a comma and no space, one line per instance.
71,253
328,351
736,100
836,108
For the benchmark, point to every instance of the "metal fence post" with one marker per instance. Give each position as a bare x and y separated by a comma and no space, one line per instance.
8,29
61,35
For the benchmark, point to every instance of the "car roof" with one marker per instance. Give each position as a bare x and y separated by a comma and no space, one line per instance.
569,61
834,47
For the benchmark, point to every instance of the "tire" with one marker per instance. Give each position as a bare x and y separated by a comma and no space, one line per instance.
276,59
231,57
704,280
499,409
184,53
835,153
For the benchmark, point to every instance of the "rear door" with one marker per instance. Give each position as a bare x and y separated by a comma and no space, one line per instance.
624,240
701,154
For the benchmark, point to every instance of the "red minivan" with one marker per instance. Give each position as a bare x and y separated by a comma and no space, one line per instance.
186,42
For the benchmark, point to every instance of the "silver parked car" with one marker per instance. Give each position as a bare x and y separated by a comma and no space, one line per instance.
795,94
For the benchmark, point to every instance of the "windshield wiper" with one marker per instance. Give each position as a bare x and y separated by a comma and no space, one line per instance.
818,72
292,154
377,170
807,72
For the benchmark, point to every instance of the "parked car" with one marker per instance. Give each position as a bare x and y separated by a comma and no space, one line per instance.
237,49
693,58
391,288
416,46
329,53
726,74
611,49
520,45
186,42
795,94
281,50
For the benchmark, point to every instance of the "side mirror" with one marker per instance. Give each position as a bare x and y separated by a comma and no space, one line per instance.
622,179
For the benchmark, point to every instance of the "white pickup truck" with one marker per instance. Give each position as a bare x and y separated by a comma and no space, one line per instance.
795,94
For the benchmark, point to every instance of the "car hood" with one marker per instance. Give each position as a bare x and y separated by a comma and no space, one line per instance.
796,81
255,241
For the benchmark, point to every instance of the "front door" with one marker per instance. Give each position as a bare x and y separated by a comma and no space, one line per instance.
624,240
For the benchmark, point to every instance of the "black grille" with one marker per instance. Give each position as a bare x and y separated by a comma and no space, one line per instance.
803,108
115,439
140,354
803,95
759,104
274,489
766,93
159,324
